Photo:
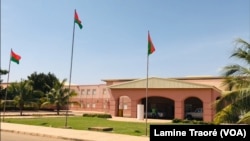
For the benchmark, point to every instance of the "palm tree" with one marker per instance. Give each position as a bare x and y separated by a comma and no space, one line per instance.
234,104
58,96
24,94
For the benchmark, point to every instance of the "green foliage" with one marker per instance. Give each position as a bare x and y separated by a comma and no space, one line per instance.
245,119
43,82
236,101
227,115
24,94
2,72
58,96
177,120
97,115
9,105
39,90
181,121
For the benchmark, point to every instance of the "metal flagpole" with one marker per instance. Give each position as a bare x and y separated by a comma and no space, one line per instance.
151,49
72,51
147,99
5,98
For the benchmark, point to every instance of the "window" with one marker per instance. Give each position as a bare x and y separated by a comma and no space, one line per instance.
88,91
94,91
82,92
104,91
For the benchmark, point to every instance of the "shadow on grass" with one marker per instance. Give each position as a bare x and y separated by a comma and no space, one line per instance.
44,123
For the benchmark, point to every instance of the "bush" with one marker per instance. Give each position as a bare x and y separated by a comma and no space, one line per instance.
97,115
192,122
176,120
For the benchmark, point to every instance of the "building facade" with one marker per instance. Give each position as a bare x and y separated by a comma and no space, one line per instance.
171,97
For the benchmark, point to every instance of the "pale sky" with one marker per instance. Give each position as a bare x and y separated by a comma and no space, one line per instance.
191,37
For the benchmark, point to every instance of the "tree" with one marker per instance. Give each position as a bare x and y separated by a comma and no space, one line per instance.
58,96
42,83
24,94
2,91
234,104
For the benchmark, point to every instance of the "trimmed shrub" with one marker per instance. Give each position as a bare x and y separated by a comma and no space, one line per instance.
192,122
176,120
97,115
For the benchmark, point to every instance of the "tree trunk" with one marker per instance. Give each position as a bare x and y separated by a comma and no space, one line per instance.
57,109
21,110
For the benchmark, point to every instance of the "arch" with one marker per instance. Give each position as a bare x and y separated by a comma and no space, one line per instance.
124,109
191,104
164,107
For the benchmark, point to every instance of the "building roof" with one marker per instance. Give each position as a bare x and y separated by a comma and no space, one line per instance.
154,82
199,77
195,77
119,80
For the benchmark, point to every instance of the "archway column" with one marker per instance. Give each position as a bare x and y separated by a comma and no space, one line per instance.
208,112
134,104
179,109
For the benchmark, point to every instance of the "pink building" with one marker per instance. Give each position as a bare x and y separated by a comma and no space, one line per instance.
172,97
92,98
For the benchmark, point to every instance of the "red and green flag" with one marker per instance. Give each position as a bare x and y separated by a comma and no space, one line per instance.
151,47
14,57
77,20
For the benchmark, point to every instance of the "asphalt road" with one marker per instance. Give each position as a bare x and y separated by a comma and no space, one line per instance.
10,136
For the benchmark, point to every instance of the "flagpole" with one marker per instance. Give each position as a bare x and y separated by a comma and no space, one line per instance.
147,98
72,52
151,49
5,98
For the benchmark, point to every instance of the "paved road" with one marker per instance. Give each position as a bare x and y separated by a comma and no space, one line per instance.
10,136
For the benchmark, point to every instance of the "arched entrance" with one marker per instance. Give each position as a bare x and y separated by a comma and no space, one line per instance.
193,107
163,106
124,106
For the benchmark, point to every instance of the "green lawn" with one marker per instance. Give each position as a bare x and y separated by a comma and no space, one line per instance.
83,123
